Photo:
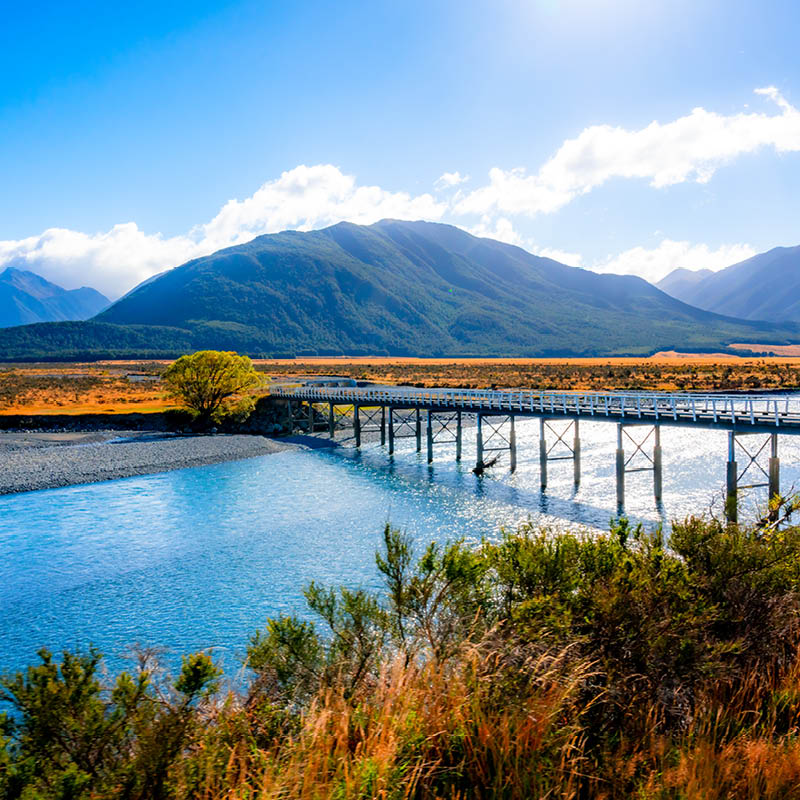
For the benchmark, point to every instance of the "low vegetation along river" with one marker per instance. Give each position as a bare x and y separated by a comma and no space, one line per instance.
200,557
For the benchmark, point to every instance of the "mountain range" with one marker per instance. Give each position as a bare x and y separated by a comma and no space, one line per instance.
26,297
766,286
394,288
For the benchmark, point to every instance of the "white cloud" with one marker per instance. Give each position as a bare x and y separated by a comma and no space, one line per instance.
690,148
111,262
302,198
499,228
564,256
305,198
450,179
654,264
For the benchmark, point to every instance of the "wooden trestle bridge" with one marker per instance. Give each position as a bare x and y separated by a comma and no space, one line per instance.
397,412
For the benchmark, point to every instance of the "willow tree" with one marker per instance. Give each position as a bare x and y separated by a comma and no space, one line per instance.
210,382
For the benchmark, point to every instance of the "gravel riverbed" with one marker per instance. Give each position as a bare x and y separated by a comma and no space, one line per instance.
30,461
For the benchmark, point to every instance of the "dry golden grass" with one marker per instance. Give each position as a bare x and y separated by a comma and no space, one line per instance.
424,726
103,387
78,389
666,373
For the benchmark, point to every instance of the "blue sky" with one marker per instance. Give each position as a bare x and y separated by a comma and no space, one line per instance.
612,134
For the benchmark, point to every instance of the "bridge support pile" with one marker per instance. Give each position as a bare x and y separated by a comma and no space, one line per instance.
734,477
301,415
404,425
573,449
339,418
623,465
449,431
367,419
497,440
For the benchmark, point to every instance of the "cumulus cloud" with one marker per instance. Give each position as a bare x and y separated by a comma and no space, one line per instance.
690,148
655,263
450,179
499,228
564,256
111,262
303,198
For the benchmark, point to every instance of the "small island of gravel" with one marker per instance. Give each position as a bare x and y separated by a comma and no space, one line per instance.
34,461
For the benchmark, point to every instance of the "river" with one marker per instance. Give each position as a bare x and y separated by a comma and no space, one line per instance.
199,558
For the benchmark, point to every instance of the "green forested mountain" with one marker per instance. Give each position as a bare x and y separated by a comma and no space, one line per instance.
412,288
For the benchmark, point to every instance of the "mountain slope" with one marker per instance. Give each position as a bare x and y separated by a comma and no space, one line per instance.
26,297
399,288
766,286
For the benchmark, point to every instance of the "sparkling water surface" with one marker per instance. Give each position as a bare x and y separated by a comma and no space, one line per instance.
199,558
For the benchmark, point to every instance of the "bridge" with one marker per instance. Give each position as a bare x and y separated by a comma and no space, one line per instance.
396,412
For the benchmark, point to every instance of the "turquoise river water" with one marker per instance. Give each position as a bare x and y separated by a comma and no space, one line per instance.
199,558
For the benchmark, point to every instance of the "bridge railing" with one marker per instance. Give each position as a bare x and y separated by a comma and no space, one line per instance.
753,409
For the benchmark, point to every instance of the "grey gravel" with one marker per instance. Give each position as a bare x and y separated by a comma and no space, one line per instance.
31,461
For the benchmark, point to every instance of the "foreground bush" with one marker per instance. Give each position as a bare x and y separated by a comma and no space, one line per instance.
540,665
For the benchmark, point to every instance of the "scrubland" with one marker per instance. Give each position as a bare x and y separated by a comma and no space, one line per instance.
109,387
540,664
666,373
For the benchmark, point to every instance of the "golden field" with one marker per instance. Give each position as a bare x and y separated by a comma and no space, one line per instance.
131,386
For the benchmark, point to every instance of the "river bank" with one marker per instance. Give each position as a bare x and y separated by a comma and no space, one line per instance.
46,460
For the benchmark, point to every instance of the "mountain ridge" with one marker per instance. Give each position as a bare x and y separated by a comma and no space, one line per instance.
26,298
402,288
763,287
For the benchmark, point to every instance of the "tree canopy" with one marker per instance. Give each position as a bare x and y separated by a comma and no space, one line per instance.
206,381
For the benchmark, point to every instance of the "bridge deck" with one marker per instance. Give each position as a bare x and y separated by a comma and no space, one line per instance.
726,412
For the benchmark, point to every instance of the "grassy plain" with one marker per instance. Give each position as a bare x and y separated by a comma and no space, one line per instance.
129,386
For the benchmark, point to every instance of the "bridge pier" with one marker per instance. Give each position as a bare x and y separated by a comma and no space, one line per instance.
430,438
497,440
419,429
369,419
444,433
734,477
400,425
657,468
479,464
301,415
622,464
512,444
620,468
573,448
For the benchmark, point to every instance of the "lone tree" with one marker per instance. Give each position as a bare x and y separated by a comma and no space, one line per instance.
206,381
